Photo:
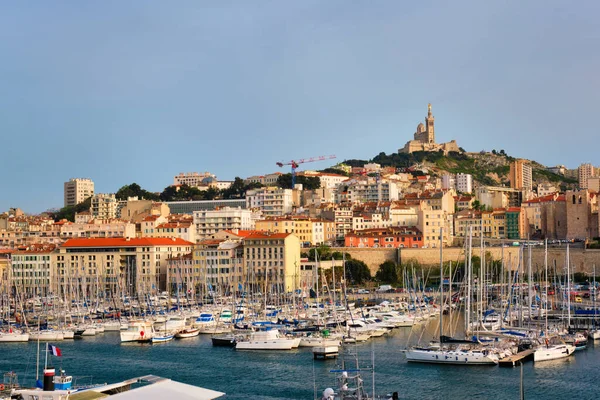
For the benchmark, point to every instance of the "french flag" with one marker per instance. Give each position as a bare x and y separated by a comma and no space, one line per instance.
55,350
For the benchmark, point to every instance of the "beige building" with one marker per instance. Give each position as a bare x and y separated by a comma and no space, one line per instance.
553,215
310,231
76,190
104,206
582,214
135,210
192,178
32,271
593,183
424,138
220,264
272,262
521,175
181,230
136,266
585,171
430,222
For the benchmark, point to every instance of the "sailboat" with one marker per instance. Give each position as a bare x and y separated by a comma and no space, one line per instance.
553,347
450,353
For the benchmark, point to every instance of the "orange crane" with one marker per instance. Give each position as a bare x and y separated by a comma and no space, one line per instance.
296,163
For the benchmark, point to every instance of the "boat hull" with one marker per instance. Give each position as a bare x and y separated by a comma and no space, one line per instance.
450,357
553,353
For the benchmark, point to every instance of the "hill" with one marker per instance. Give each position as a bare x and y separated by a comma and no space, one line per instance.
487,168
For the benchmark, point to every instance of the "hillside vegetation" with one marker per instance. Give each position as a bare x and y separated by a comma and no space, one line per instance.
487,168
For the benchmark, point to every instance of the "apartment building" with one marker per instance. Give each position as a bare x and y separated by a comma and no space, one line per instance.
585,171
135,266
32,271
76,190
272,201
272,261
192,178
464,183
342,218
220,265
310,231
521,175
367,190
209,222
104,206
183,277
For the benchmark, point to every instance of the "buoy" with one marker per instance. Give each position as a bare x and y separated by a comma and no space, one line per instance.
1,386
142,333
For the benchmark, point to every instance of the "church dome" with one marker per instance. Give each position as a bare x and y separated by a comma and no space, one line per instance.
420,128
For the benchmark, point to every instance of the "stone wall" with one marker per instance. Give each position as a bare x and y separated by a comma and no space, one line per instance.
581,260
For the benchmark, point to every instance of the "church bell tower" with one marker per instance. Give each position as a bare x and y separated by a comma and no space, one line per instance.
429,129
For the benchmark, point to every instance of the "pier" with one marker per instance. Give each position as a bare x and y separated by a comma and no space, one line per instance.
512,361
325,352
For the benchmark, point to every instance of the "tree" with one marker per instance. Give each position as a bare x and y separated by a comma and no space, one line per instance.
308,182
334,171
387,272
476,205
357,272
69,212
237,190
135,190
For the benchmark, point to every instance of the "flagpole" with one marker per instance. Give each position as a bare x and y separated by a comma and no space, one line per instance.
46,361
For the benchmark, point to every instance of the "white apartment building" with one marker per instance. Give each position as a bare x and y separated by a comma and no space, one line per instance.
209,222
104,206
585,171
370,190
448,182
76,190
464,183
272,201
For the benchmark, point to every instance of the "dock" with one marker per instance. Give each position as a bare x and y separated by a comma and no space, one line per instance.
512,361
325,352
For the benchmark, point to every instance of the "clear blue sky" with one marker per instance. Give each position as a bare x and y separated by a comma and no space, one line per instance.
138,91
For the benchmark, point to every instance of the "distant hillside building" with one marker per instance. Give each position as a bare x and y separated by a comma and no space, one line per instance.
585,171
425,138
464,183
76,190
521,175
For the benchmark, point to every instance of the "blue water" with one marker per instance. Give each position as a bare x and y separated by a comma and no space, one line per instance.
294,374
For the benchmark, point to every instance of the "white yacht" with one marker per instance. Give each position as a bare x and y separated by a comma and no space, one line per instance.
267,340
46,335
553,349
461,354
14,336
138,331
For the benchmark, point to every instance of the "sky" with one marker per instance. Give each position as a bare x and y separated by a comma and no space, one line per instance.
138,91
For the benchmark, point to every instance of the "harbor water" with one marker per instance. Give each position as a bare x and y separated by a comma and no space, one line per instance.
295,375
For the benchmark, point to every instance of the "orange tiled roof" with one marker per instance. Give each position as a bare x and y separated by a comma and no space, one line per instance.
242,232
267,235
125,242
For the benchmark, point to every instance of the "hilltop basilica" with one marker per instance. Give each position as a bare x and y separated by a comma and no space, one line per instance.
425,138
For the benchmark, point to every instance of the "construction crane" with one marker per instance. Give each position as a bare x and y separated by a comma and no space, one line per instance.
296,163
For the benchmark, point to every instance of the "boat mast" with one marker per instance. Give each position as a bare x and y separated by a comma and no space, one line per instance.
568,290
441,287
546,279
469,277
